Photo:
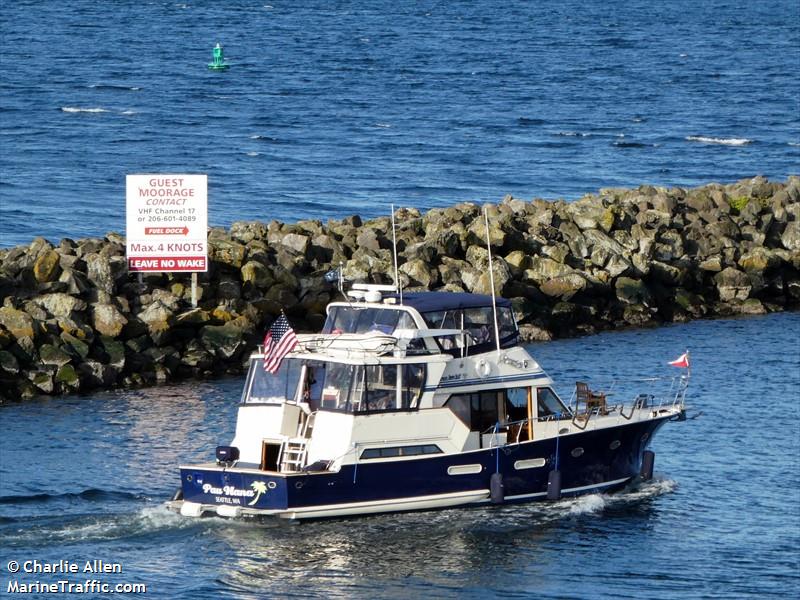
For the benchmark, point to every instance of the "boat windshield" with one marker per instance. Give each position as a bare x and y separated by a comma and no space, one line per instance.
478,323
361,319
337,386
363,388
269,388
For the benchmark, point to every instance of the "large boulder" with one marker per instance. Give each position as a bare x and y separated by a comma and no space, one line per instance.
47,267
227,252
104,271
53,355
632,291
108,320
61,305
17,322
419,273
158,318
791,236
564,286
732,284
223,341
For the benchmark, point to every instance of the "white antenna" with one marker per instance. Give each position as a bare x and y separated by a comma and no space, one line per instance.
398,284
491,280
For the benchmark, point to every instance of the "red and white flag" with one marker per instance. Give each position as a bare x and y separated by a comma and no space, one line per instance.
682,361
278,342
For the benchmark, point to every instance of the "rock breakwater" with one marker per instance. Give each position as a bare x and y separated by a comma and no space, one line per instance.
73,318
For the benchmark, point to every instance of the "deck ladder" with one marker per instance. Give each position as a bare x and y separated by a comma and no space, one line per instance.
293,455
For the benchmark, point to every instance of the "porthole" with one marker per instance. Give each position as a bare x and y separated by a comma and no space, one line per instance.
615,444
189,478
576,452
645,436
464,469
563,430
530,463
297,485
272,485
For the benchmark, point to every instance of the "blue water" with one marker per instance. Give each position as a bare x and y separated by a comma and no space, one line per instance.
83,478
334,108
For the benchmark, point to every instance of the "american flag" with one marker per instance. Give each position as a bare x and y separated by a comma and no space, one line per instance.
278,342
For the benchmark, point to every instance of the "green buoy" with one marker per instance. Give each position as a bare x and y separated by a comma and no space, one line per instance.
219,60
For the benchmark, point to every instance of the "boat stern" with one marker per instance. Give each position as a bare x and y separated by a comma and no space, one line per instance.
211,490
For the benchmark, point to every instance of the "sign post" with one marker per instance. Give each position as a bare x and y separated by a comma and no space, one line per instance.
167,223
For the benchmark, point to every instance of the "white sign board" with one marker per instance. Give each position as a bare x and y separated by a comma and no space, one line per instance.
167,222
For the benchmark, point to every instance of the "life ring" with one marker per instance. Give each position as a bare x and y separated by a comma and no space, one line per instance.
483,368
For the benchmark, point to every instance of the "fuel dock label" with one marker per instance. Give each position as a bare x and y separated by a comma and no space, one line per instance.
167,222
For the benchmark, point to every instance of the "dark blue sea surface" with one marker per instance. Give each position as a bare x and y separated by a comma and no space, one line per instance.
333,108
84,478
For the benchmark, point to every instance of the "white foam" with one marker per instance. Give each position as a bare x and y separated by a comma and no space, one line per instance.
74,109
253,153
587,505
722,141
385,125
650,489
794,143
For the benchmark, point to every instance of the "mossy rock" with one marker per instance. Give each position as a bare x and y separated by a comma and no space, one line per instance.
8,363
67,376
47,268
53,355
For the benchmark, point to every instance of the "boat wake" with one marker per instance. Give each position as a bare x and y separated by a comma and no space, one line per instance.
636,492
49,530
92,495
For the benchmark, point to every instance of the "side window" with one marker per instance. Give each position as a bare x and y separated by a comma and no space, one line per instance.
517,404
505,322
460,405
477,411
382,388
478,323
484,411
548,404
383,391
413,382
341,382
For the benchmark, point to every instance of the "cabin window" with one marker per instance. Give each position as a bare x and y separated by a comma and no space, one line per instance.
384,392
275,388
478,323
517,404
363,389
357,319
396,451
478,411
549,405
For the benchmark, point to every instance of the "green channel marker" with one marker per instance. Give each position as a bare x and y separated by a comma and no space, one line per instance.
219,60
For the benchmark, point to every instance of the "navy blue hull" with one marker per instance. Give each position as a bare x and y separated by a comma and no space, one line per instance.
588,462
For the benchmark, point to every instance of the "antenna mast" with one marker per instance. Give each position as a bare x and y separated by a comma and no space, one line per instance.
491,280
398,284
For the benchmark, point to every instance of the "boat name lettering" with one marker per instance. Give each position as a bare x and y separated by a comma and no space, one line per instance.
454,377
228,490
